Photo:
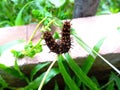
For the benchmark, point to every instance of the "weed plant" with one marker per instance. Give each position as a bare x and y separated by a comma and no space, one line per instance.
79,79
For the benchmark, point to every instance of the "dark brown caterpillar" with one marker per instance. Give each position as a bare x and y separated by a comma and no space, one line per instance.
65,39
52,45
65,42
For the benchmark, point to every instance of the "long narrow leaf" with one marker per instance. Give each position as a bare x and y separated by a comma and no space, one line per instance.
111,83
3,82
88,49
35,84
116,79
10,70
37,68
111,86
79,73
90,60
56,87
19,20
68,80
17,68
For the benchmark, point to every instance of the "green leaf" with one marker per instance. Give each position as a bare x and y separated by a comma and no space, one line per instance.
56,87
8,45
38,48
116,79
19,19
90,51
37,68
68,80
79,73
94,79
53,72
16,67
3,83
90,60
35,84
17,54
5,22
84,87
11,71
56,35
111,86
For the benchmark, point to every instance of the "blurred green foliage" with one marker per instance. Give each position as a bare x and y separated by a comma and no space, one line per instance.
19,12
12,11
109,6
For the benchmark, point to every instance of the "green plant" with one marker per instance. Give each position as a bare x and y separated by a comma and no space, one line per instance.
20,12
109,6
78,79
32,83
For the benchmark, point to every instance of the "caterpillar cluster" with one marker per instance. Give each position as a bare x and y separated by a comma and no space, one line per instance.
50,42
65,42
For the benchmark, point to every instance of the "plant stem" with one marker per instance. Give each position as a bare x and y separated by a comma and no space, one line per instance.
47,72
107,62
34,32
49,24
108,83
89,51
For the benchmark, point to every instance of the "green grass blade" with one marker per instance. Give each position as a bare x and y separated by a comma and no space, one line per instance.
37,68
79,73
56,87
19,20
89,50
94,79
68,80
3,83
111,86
116,79
11,71
6,22
53,72
90,60
17,68
35,84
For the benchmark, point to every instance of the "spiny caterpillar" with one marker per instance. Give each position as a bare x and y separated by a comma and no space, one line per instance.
65,42
65,39
50,42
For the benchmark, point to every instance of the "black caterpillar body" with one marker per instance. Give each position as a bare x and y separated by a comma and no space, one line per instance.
65,39
65,42
50,42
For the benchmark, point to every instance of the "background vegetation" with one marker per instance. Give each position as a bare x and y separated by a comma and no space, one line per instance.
21,12
14,12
